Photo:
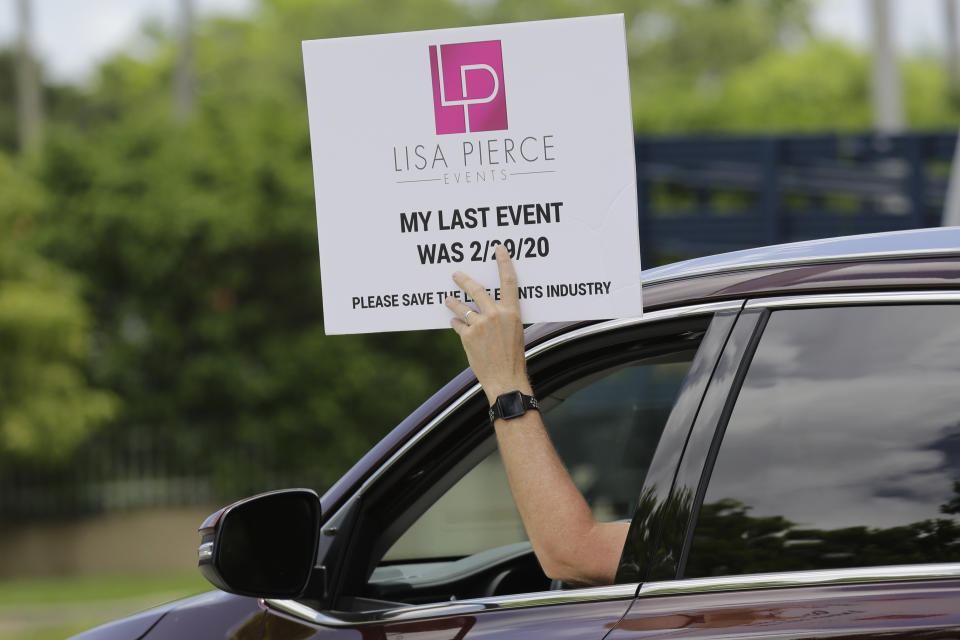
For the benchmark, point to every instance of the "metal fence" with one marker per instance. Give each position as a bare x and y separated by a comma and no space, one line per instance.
696,196
128,468
699,196
113,471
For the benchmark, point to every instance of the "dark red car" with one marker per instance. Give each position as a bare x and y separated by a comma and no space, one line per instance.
781,428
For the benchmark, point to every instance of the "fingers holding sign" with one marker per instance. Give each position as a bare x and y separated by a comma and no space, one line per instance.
463,311
476,291
492,336
509,294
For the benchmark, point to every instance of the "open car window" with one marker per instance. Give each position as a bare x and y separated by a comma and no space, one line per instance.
605,428
439,523
475,514
471,542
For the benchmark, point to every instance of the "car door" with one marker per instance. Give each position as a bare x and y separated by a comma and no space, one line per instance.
432,547
821,484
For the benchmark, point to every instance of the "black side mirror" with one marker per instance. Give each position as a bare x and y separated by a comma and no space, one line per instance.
264,546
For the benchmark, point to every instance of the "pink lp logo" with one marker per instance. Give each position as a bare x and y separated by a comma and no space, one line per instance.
468,91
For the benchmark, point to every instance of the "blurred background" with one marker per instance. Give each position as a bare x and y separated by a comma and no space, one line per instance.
161,333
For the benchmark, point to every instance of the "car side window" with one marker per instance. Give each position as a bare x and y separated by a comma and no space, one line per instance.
842,448
605,428
475,514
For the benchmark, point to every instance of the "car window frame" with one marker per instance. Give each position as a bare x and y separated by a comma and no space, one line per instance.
707,434
333,526
656,512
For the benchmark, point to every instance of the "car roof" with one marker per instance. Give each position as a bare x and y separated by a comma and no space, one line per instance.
916,258
912,243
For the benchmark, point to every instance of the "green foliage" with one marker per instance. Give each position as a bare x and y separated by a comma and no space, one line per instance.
821,87
789,91
47,407
197,241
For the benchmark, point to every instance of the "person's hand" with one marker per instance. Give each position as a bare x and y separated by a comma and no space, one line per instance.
492,334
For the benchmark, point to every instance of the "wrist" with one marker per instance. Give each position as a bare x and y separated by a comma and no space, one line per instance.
512,405
495,390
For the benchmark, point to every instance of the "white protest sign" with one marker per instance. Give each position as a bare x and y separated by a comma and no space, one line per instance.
432,147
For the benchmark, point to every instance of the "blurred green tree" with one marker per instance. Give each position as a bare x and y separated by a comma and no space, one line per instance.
194,246
824,86
197,243
47,407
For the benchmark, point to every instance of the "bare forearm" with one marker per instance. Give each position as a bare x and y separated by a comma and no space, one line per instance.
570,544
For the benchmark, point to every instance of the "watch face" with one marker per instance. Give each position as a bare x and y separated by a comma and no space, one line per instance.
511,405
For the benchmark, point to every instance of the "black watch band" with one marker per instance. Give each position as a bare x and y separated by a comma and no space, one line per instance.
512,404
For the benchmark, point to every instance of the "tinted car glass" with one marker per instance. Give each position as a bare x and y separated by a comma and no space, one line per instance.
843,446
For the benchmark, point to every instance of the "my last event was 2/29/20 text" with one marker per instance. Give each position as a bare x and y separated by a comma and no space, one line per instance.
519,246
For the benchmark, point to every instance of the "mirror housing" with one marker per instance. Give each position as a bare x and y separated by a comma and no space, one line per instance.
264,546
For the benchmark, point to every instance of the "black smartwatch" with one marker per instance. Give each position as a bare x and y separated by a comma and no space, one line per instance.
512,404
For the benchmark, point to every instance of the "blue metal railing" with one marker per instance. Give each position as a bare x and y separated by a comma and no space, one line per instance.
704,195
